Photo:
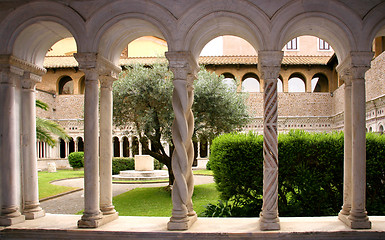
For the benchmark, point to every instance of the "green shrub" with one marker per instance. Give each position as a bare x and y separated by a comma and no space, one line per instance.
310,173
158,165
76,159
122,164
208,166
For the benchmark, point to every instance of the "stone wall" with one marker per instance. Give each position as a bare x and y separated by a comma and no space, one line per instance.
375,78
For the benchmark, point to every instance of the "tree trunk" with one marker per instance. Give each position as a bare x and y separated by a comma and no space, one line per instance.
171,177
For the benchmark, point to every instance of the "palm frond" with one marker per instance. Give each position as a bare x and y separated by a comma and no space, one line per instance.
41,105
45,128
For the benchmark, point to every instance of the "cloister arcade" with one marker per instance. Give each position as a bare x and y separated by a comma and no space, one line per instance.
101,30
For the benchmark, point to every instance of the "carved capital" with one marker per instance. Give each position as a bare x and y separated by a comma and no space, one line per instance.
29,81
269,64
86,60
106,82
354,66
183,65
107,68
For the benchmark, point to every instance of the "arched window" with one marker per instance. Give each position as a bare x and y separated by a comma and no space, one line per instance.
126,147
279,84
250,83
381,129
135,146
66,85
71,146
116,147
82,85
370,129
80,144
297,83
231,85
62,148
319,83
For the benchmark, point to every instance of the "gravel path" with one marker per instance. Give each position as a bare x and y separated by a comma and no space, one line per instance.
74,202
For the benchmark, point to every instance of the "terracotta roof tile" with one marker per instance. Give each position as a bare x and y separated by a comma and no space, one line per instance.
69,61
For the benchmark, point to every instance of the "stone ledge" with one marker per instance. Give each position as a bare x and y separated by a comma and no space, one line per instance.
64,226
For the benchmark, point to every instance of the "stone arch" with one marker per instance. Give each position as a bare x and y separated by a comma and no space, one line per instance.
34,32
326,25
228,75
126,147
62,148
250,83
320,83
119,23
65,85
381,129
81,85
279,84
116,146
71,146
373,26
215,24
295,82
80,143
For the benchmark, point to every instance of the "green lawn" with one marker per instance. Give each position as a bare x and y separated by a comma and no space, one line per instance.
157,201
203,172
46,189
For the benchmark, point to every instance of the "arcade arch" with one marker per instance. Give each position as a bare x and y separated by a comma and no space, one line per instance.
297,83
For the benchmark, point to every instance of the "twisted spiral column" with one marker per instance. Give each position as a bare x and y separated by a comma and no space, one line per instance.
269,67
183,214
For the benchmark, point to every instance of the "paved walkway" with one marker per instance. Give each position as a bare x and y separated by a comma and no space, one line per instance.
74,202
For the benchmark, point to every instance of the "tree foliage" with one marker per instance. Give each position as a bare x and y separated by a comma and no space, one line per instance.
143,99
46,128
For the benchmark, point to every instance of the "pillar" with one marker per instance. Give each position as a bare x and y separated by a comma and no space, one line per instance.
199,150
120,146
355,175
347,202
91,216
31,205
76,142
184,67
130,141
140,147
269,66
10,213
106,147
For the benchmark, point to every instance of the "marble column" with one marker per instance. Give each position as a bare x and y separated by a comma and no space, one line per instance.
198,150
76,142
355,66
184,67
269,66
31,205
347,201
10,213
106,147
91,216
130,147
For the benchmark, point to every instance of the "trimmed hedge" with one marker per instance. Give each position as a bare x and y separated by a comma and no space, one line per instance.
310,173
124,163
76,159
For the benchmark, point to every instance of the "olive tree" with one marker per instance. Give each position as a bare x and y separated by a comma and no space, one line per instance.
143,98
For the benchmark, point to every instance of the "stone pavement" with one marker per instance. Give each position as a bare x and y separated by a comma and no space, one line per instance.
74,202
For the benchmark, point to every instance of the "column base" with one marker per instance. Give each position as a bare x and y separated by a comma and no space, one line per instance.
267,224
95,222
34,215
8,221
179,225
366,224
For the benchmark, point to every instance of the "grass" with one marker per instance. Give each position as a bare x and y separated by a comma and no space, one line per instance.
157,201
46,189
203,172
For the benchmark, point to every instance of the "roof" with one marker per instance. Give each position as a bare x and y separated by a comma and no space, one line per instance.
69,61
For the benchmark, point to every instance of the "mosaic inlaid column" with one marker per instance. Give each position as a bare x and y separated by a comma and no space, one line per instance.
269,66
184,68
10,213
31,205
106,146
91,216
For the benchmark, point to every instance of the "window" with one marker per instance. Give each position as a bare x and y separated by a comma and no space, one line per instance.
323,45
292,44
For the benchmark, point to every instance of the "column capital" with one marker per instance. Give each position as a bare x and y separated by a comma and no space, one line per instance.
355,65
30,80
269,64
183,65
106,82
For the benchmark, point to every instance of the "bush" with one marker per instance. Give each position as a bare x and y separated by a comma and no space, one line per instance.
208,166
76,159
122,164
310,173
